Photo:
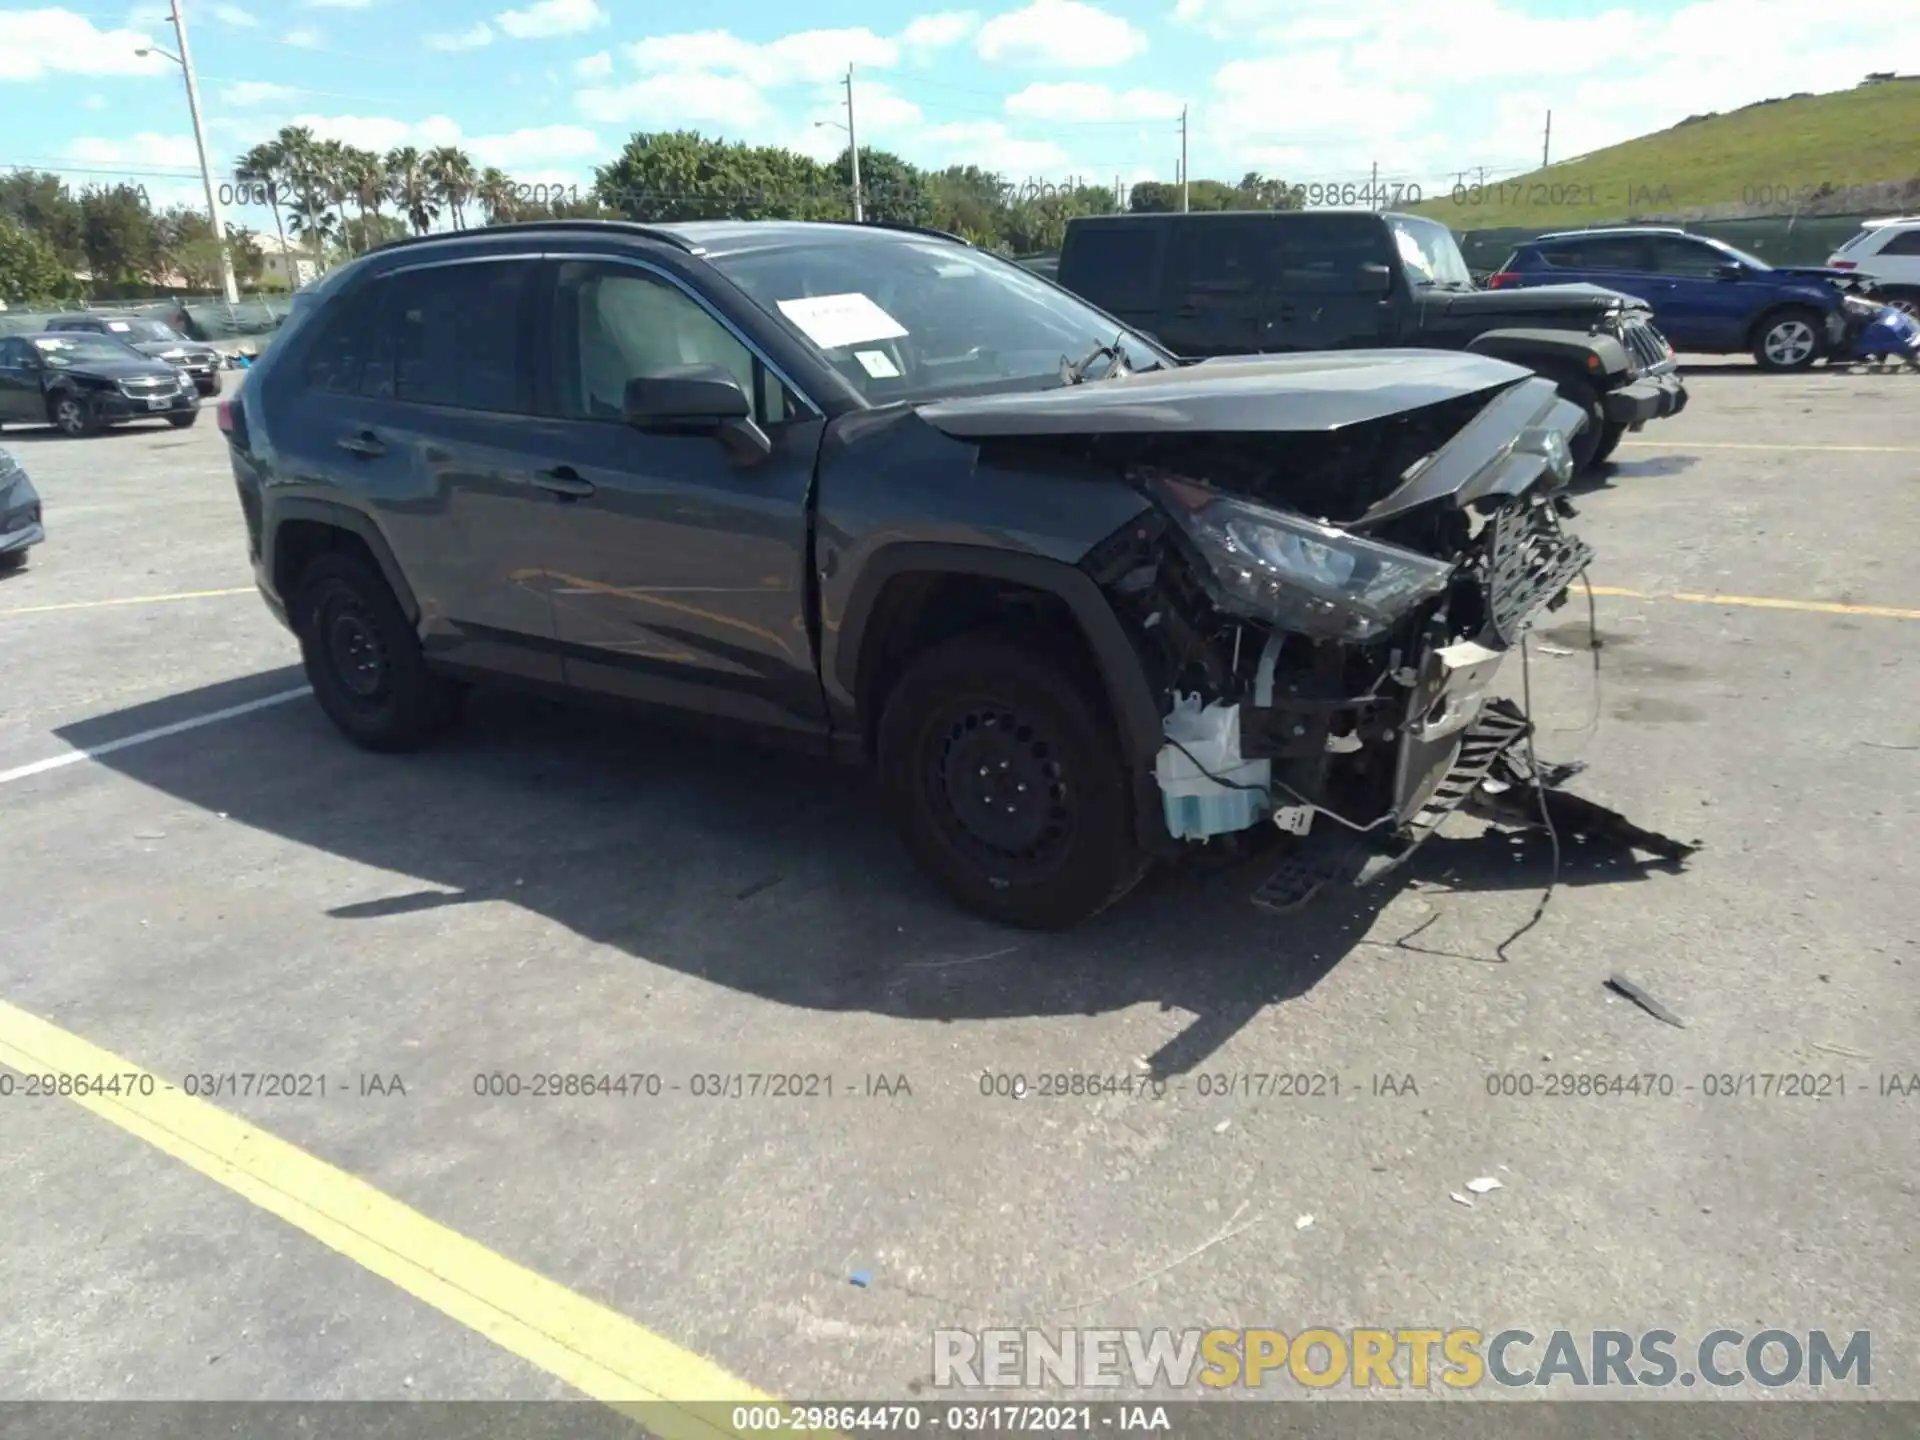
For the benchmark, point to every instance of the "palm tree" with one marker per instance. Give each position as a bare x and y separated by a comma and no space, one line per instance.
265,165
366,184
331,180
451,174
314,222
409,188
494,191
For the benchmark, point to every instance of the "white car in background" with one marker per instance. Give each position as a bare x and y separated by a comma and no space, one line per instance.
1886,252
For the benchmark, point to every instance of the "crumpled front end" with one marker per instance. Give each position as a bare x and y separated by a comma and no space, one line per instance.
1334,673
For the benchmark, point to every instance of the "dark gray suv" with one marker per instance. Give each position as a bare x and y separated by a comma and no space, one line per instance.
906,503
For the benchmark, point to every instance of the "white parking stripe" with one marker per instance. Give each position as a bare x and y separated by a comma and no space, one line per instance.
74,757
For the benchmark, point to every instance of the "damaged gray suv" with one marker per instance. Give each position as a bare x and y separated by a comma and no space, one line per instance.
874,490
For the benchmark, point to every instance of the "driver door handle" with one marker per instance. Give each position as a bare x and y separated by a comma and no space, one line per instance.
564,481
364,443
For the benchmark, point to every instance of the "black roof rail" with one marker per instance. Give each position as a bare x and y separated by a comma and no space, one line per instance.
902,226
523,227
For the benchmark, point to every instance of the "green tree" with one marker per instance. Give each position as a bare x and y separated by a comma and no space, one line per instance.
362,233
30,269
969,202
494,191
119,233
682,175
409,187
365,175
451,174
249,262
185,243
265,166
40,203
891,189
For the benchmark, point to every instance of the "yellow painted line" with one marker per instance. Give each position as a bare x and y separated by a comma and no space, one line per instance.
592,1348
1745,445
1759,602
128,600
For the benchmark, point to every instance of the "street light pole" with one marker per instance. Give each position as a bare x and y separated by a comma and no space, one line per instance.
853,151
214,214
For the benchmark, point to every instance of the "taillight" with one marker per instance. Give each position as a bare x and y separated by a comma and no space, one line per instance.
1505,280
1842,265
224,412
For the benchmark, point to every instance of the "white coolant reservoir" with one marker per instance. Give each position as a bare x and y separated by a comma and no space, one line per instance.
1209,736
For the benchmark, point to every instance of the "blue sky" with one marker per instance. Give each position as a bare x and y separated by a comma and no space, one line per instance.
1310,90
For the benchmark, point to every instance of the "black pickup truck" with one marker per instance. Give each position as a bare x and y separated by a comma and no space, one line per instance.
1251,282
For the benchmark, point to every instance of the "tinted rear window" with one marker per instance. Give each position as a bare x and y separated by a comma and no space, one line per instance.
344,342
1597,252
1114,266
1220,255
1907,242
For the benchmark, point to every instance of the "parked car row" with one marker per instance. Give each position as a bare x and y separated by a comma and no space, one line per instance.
86,372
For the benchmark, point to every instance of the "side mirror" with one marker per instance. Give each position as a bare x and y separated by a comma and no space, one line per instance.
696,400
1375,278
1731,270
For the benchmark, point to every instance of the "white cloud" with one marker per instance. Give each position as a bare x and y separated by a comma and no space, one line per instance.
519,151
988,144
548,18
382,132
58,42
256,92
304,38
594,67
808,56
233,15
1067,34
481,34
1085,100
936,32
147,150
682,98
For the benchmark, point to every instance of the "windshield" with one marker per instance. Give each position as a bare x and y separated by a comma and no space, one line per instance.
1430,253
913,319
142,330
62,350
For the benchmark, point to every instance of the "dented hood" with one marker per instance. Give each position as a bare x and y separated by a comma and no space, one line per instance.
1322,390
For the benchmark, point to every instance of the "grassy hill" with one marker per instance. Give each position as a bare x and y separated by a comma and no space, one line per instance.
1843,152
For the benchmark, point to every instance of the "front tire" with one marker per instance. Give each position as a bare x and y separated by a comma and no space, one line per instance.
1788,340
1609,441
1585,445
363,658
182,422
72,416
13,560
1006,783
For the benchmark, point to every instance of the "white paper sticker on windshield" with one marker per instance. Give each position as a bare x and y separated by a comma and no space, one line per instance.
878,364
834,322
119,327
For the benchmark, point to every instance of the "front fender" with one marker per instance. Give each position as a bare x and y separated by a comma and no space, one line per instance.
1558,352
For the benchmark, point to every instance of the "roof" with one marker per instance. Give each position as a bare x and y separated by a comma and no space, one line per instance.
697,237
1131,217
1604,230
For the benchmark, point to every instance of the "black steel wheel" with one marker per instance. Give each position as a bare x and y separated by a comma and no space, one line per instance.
363,658
1006,782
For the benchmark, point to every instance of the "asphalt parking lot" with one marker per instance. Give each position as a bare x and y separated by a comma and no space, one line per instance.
568,893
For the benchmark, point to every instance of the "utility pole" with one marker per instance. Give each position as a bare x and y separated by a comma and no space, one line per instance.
1546,143
1373,187
853,150
1183,160
185,61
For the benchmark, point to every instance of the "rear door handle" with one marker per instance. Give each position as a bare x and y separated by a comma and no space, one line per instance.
564,481
365,443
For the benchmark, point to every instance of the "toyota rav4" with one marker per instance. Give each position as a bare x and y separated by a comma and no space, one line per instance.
1081,604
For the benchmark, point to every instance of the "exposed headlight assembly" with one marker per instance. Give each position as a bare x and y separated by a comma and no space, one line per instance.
1295,573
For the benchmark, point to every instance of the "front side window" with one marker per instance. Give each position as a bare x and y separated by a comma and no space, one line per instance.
1689,258
455,332
613,323
911,318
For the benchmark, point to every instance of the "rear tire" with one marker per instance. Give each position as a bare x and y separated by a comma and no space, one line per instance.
1609,441
363,658
1006,783
13,560
1788,339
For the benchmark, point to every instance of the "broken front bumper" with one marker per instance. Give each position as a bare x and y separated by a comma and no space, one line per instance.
1651,397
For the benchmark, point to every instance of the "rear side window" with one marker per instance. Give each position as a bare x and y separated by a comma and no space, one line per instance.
1326,254
1219,256
456,333
344,341
1598,252
1115,266
1906,242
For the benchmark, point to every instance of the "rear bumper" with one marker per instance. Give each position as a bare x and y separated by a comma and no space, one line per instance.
1652,397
